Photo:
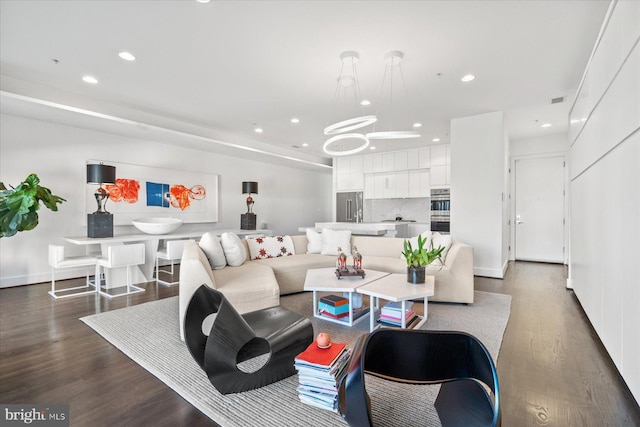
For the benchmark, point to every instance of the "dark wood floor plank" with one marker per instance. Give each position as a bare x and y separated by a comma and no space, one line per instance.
553,370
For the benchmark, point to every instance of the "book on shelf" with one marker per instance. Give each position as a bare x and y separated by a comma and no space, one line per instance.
394,308
396,317
334,300
324,308
334,316
409,323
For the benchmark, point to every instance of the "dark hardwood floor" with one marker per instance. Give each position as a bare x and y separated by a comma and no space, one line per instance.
553,370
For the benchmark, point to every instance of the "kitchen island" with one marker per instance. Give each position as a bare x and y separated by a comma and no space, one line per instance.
382,229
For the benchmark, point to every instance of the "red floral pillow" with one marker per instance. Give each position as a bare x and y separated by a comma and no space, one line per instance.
270,247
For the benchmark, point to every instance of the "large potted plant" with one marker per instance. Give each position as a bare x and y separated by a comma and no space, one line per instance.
419,258
19,206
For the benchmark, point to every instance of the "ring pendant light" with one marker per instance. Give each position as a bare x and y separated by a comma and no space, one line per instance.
392,59
343,136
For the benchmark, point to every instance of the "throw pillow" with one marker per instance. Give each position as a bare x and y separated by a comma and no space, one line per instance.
234,250
414,241
442,240
270,247
210,245
315,242
334,239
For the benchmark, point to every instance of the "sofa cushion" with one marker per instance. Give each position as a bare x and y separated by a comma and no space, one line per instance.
250,287
334,239
443,240
234,251
290,272
270,247
210,245
315,241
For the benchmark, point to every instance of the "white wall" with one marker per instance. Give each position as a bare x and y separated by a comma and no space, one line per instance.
605,190
288,197
478,175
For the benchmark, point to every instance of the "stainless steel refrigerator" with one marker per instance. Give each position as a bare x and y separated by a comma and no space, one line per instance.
349,207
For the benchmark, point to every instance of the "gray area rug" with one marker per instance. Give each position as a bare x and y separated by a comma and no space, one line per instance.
149,334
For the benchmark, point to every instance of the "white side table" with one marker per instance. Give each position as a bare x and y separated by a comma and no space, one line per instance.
325,279
394,287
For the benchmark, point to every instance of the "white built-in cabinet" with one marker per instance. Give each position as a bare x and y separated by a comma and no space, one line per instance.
440,169
396,174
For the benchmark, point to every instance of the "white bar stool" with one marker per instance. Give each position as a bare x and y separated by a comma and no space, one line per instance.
58,261
171,252
118,256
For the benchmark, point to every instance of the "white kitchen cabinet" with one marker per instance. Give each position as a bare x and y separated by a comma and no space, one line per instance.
439,175
413,160
424,157
369,186
349,173
367,163
400,160
440,155
402,184
378,185
419,183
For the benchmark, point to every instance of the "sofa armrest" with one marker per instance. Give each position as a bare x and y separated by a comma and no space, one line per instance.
194,272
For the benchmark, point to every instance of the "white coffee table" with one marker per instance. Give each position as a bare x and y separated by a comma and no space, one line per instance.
394,287
325,280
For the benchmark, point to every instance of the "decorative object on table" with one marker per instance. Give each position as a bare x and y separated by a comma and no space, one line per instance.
158,225
417,259
320,370
341,141
333,306
469,391
357,258
100,223
274,332
248,219
19,206
344,270
323,340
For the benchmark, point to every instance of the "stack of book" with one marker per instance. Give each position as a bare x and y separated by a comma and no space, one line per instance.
391,315
333,306
319,372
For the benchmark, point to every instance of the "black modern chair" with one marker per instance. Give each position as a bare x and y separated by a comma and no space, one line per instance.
456,360
235,338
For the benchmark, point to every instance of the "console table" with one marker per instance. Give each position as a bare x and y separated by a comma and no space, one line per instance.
151,244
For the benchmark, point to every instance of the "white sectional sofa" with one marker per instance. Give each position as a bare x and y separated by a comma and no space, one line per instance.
257,283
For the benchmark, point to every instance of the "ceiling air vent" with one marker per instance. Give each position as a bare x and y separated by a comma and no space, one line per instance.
557,100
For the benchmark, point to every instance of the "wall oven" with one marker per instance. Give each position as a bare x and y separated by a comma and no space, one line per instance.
440,208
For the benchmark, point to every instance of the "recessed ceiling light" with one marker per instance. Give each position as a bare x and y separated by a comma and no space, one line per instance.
295,120
417,125
203,1
468,78
372,148
435,140
546,125
127,56
304,144
258,130
365,102
90,79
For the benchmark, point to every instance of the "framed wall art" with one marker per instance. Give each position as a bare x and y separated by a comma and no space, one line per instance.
146,191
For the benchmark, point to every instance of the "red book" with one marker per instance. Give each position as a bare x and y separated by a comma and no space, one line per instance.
334,316
321,356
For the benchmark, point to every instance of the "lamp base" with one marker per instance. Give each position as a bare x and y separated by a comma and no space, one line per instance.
99,225
248,221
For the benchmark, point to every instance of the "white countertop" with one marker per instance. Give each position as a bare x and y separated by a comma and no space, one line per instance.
387,229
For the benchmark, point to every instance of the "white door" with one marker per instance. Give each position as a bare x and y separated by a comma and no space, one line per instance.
539,209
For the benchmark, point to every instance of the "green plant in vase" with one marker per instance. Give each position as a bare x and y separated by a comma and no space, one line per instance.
419,258
19,205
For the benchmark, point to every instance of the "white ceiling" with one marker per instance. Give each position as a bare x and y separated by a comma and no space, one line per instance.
219,69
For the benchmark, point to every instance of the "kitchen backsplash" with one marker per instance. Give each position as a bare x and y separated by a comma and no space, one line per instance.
384,209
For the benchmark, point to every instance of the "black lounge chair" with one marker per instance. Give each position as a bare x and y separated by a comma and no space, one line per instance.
236,338
457,360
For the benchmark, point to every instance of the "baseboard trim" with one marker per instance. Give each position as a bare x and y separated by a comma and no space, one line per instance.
488,272
32,279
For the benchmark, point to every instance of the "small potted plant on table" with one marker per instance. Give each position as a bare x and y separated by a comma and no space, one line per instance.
419,258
